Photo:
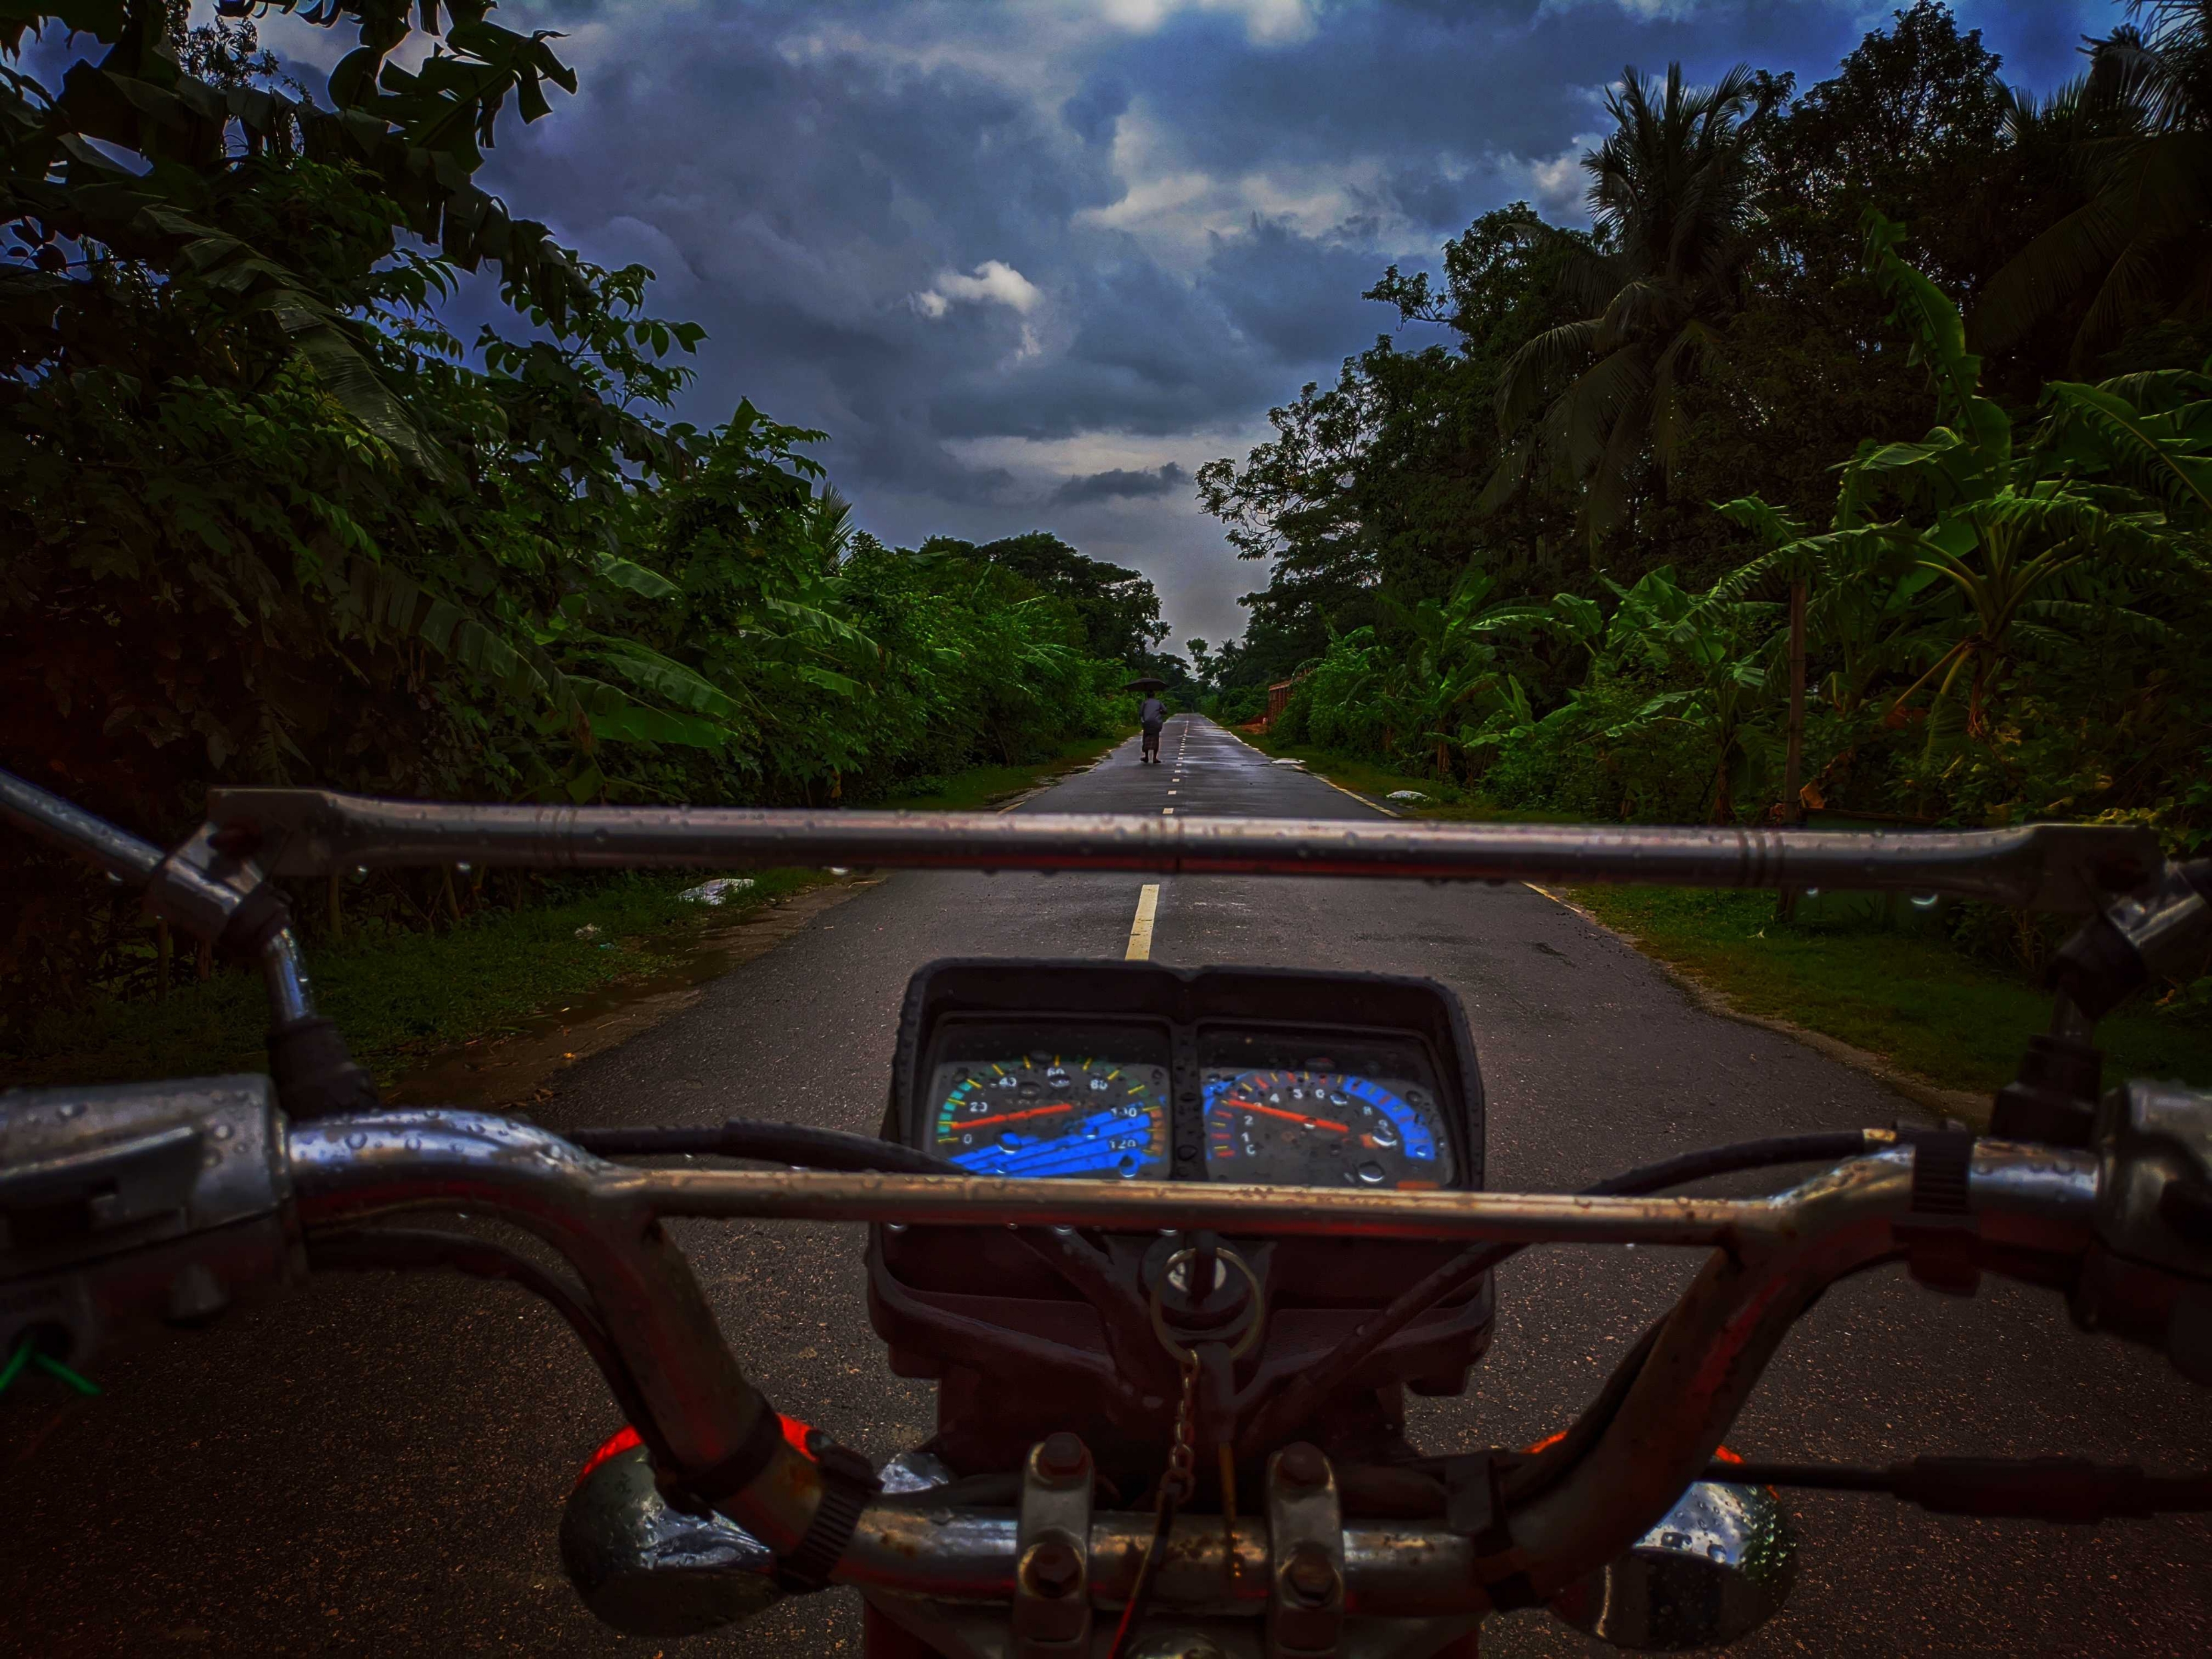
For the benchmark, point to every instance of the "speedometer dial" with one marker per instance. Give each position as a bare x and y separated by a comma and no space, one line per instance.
1317,1128
1051,1115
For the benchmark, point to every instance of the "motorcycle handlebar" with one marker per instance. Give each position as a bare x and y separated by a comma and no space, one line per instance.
187,1189
158,1202
1580,1503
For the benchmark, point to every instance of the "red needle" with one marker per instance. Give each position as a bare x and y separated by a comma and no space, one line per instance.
1295,1117
1011,1117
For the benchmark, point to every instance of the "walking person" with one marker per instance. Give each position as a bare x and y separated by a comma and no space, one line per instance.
1151,714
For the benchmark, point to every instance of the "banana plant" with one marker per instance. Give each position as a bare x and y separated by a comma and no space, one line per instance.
1851,587
1454,658
1711,648
1720,645
1994,548
2148,435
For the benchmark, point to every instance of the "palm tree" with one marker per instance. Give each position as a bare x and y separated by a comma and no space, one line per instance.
2138,127
1670,192
825,522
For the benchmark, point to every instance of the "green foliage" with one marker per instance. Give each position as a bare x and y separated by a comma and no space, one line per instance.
2003,563
266,519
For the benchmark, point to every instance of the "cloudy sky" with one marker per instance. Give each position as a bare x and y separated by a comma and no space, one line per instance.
1031,262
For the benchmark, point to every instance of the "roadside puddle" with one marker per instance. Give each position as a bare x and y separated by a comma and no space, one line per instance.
515,1070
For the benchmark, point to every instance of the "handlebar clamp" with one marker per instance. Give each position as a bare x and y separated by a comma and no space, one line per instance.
2152,1277
123,1204
848,1482
1938,1230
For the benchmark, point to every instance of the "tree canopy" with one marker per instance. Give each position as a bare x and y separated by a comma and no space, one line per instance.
1906,353
265,517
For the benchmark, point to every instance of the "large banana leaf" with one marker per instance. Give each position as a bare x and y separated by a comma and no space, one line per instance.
2154,454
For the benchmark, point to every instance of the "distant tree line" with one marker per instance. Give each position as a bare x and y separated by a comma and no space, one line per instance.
1857,458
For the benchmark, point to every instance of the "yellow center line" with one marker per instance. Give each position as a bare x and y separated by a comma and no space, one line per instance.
1140,930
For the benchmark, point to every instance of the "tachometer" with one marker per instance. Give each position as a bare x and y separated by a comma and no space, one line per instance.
1324,1128
1044,1113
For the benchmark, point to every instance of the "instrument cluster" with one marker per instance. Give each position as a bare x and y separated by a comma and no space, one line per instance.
1121,1093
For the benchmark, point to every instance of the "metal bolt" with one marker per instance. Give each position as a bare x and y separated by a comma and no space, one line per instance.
1062,1457
1310,1576
1303,1465
1051,1568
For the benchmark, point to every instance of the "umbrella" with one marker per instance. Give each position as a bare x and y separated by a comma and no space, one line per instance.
1145,685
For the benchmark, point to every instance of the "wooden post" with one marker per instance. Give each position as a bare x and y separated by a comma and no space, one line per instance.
161,960
1793,765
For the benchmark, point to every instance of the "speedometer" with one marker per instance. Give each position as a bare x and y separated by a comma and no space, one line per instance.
1324,1128
1046,1114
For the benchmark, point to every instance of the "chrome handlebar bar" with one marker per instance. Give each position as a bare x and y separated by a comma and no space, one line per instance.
2044,867
185,1193
1770,1257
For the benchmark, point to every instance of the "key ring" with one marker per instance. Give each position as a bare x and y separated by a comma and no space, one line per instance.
1168,1338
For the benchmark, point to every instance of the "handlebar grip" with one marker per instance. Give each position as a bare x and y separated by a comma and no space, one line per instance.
2133,941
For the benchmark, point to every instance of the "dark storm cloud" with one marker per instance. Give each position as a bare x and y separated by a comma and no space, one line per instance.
1003,250
1119,483
1092,114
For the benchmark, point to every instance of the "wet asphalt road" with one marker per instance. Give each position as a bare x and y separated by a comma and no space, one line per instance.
377,1465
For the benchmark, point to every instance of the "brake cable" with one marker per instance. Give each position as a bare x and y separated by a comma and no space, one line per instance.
28,1354
405,1248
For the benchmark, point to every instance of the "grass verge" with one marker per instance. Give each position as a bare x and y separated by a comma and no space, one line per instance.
1450,802
979,787
1362,777
403,997
1916,1002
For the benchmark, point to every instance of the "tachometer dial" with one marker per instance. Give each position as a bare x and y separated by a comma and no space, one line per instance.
1050,1115
1315,1128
